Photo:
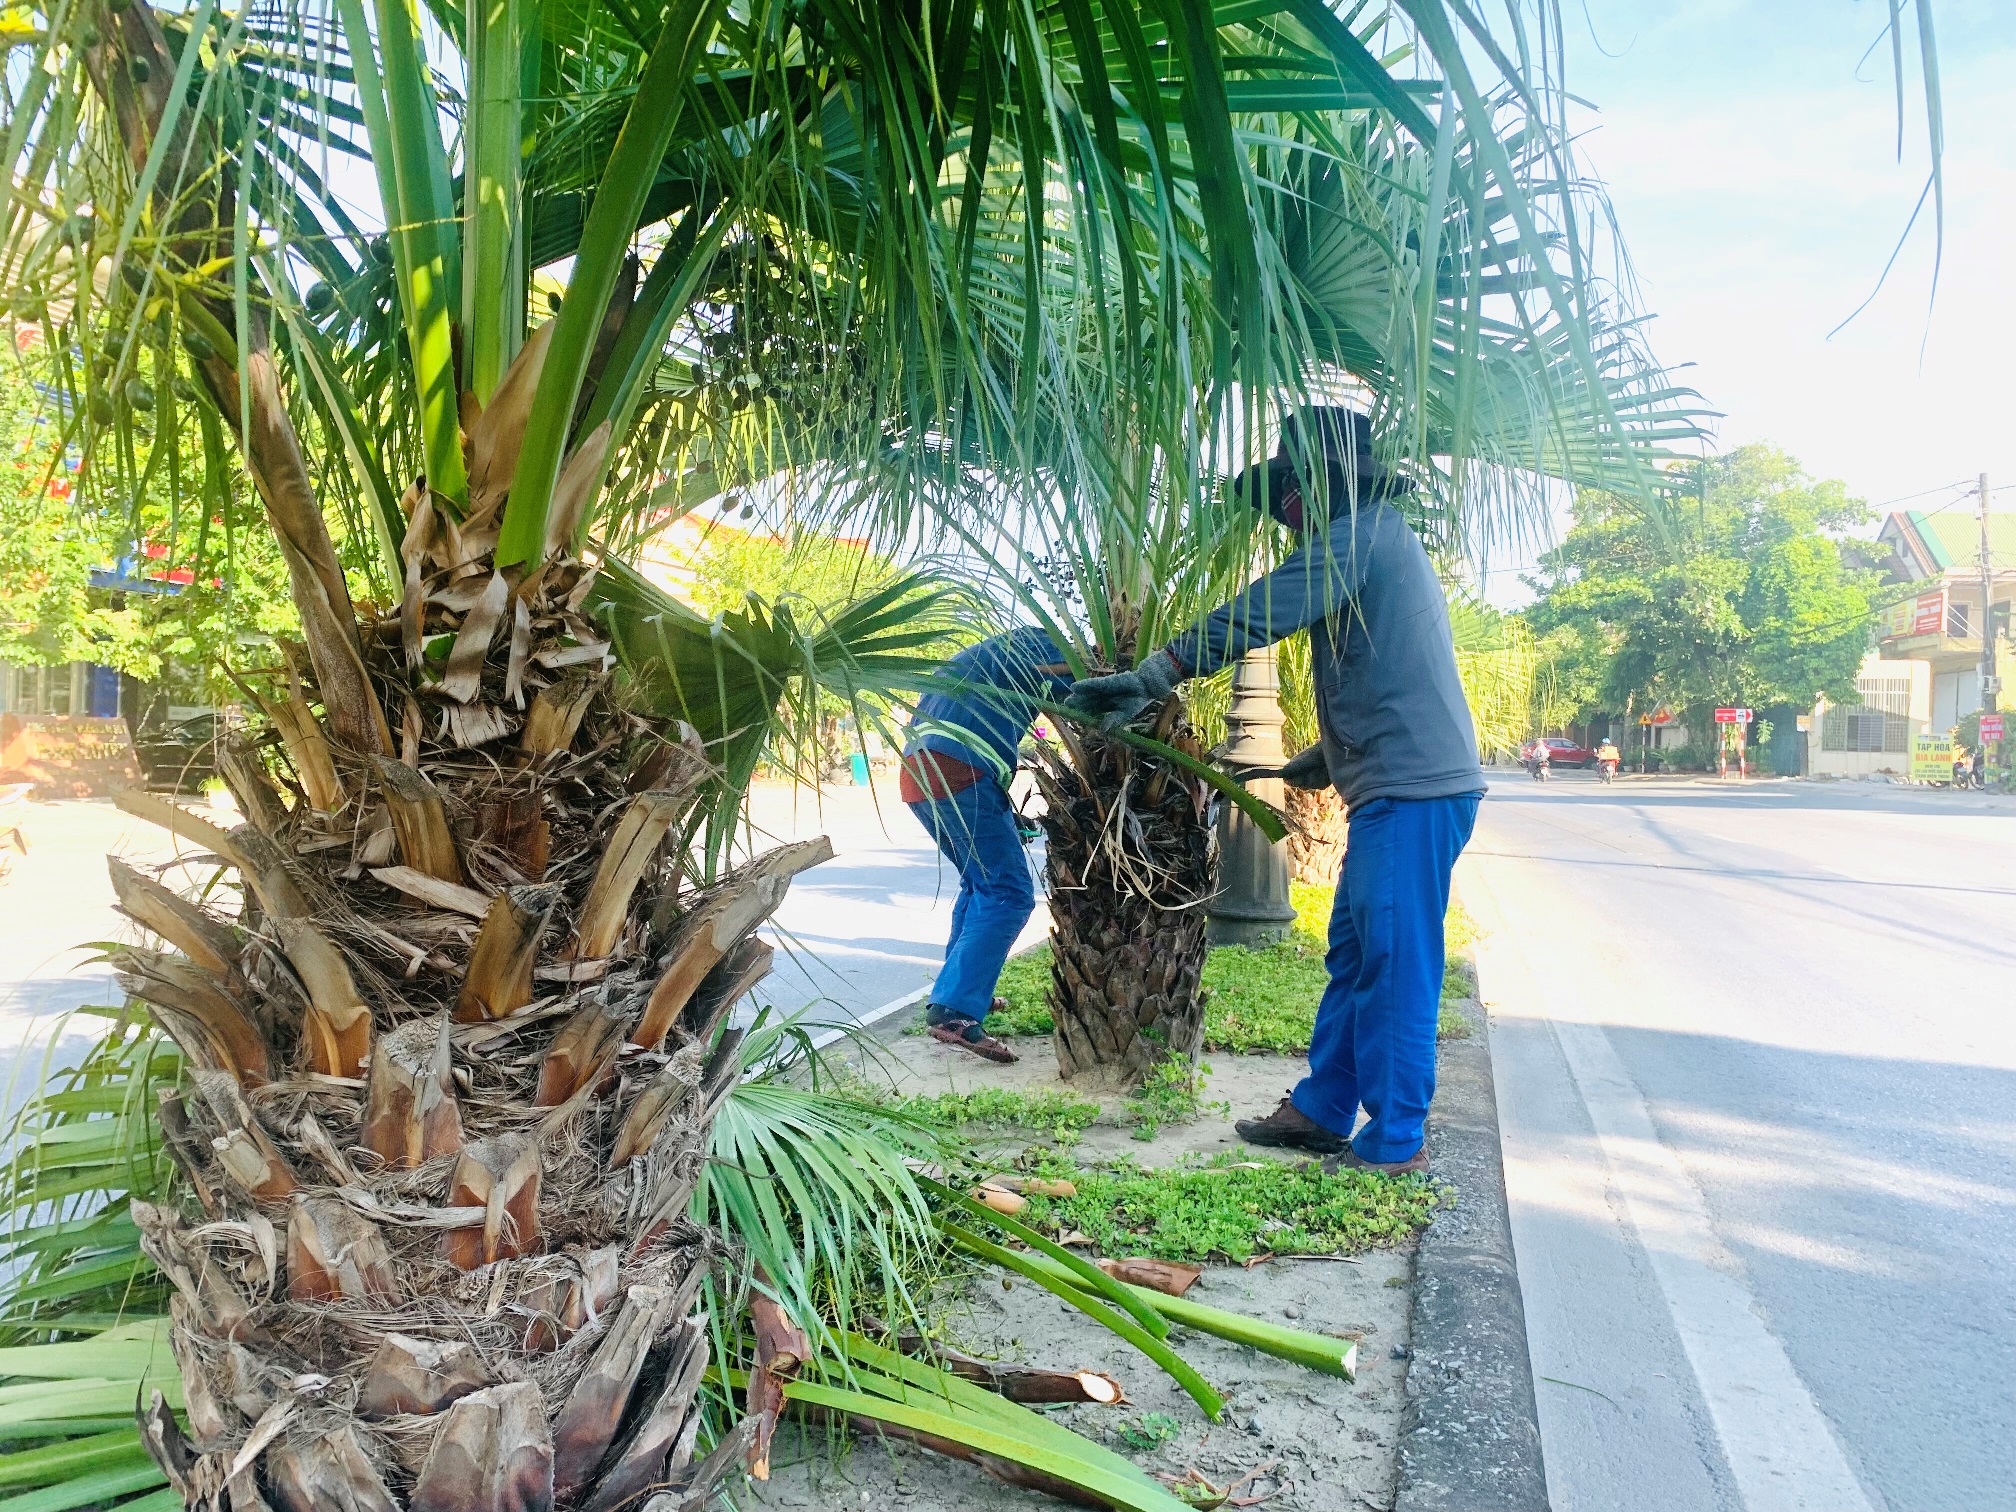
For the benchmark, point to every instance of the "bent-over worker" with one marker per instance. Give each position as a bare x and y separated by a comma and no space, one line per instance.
962,750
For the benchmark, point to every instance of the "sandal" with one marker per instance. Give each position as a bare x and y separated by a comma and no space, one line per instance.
968,1035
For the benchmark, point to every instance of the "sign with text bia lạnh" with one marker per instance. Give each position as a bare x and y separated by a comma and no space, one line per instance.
1931,758
1732,716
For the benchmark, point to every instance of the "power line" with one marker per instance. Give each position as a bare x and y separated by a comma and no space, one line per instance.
1966,483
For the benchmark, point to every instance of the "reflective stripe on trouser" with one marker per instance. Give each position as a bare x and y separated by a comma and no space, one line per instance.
975,829
1374,1042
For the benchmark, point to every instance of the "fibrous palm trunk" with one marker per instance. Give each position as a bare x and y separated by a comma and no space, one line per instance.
1317,827
1132,865
451,1064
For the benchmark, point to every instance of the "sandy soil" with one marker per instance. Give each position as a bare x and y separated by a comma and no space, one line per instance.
1313,1443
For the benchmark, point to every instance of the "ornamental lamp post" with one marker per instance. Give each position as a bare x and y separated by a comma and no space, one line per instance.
1252,906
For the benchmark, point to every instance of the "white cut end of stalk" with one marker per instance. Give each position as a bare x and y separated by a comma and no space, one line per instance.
1102,1389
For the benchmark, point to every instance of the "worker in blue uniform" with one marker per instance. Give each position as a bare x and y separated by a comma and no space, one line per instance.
964,740
1398,744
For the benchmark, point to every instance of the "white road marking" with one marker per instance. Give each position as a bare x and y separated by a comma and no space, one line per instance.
1779,1448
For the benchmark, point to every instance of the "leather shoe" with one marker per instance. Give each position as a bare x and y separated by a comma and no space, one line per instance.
1289,1128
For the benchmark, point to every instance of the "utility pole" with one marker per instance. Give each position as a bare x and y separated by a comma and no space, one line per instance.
1991,685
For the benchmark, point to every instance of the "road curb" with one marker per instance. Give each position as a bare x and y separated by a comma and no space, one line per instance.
1472,1438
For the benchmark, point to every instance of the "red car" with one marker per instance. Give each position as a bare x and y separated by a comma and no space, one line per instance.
1560,752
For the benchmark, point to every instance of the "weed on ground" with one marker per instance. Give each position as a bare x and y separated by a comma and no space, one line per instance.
1232,1209
1061,1115
1171,1093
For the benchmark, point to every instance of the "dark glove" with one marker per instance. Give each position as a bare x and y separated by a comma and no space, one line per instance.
1120,697
1308,770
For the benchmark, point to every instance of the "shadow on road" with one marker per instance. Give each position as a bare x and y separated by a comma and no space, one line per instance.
1871,1203
1701,792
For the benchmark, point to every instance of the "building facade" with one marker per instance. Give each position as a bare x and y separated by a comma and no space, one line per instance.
1872,736
1941,625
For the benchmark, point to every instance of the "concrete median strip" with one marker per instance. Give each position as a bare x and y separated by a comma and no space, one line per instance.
1472,1439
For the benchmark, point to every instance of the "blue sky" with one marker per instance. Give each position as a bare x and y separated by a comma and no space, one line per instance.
1754,171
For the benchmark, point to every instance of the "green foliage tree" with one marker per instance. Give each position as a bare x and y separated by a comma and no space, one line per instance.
1571,661
1739,595
61,521
821,572
818,578
48,612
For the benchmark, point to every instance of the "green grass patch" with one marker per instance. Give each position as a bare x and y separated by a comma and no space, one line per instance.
1263,1000
1256,1001
1063,1114
1025,983
1234,1208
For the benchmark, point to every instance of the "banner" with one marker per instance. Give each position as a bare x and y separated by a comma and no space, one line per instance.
67,755
1923,615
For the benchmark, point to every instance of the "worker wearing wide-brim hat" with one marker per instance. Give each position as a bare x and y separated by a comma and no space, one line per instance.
1397,742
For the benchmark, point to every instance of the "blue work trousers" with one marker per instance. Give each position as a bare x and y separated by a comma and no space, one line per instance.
1375,1030
975,828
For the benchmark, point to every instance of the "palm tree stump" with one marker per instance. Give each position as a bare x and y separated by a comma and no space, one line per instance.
1132,866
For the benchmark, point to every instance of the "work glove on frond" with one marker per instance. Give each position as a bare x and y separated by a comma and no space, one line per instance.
1121,697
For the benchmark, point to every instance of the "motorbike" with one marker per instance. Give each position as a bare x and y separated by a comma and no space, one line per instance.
1968,774
1536,768
13,823
1606,771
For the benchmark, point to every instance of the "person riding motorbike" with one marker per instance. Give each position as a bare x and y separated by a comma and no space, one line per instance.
1538,758
1967,770
1607,757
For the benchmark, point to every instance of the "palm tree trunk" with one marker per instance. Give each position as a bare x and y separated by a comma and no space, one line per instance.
1132,864
452,1066
1317,826
453,1057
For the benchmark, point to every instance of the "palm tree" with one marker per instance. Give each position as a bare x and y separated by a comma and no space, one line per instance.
453,1052
1434,269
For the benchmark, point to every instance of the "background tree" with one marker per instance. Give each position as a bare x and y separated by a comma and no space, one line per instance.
1738,595
1571,663
218,579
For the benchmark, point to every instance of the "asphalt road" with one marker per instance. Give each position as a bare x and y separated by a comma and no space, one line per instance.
1755,1049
